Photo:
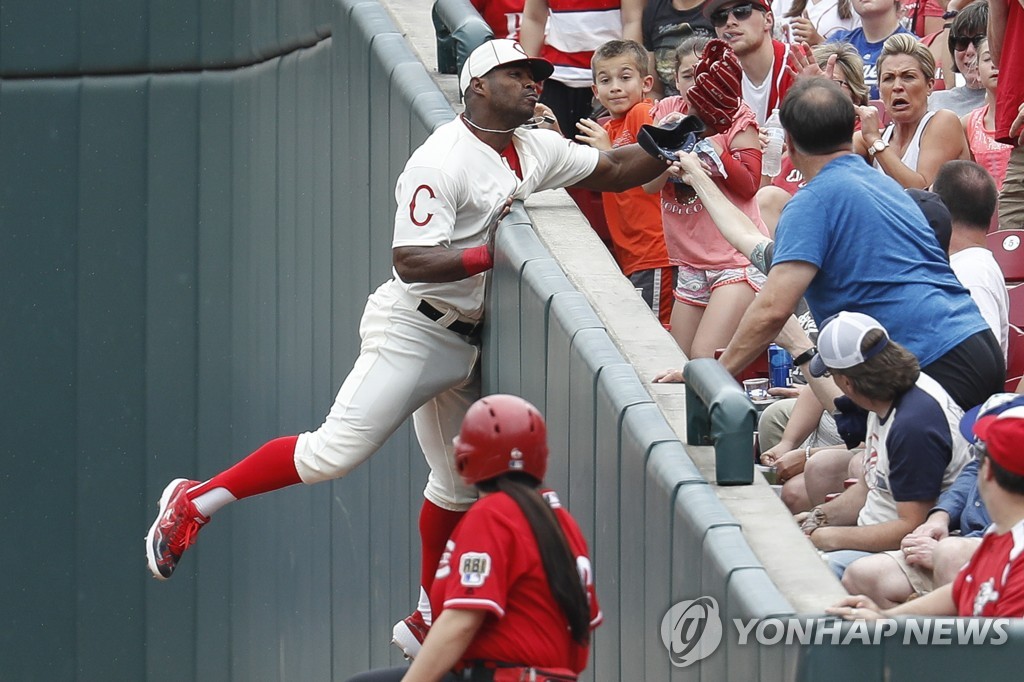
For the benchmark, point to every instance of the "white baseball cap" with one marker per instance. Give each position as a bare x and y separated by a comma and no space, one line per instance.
840,340
499,52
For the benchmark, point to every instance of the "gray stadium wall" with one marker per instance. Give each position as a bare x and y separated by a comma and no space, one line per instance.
195,201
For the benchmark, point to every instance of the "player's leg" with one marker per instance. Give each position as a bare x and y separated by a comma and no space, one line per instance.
446,498
404,360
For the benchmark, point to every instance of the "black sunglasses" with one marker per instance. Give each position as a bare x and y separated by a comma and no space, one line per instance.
960,43
720,18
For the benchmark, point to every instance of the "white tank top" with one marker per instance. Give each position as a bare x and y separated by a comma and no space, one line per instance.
913,150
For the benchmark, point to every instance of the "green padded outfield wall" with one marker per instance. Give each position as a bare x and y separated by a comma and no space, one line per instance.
187,241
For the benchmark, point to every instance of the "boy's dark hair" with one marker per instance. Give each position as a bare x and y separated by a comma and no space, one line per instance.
968,191
617,48
887,375
818,116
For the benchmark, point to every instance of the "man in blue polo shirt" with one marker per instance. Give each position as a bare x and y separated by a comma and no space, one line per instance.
851,239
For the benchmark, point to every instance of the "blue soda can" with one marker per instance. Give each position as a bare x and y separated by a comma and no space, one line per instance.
780,363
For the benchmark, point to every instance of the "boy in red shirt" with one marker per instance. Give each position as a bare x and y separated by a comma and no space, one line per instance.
621,83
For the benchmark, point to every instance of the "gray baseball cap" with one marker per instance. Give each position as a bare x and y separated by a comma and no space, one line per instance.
840,340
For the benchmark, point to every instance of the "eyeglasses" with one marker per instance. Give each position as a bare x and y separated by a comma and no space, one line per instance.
960,43
720,18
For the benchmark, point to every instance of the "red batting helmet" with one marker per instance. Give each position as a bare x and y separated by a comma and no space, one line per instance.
501,434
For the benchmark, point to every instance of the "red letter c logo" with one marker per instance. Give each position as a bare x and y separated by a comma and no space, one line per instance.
412,206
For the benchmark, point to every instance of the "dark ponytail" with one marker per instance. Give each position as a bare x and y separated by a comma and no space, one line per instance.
555,554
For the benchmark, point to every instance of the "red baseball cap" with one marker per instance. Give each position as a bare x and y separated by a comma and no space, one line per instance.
1003,435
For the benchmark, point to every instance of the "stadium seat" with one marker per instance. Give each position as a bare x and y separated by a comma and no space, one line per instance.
1016,312
1014,358
1008,248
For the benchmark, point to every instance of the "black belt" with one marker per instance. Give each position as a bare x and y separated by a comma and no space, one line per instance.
458,326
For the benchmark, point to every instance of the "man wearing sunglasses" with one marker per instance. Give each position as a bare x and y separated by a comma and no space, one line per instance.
746,25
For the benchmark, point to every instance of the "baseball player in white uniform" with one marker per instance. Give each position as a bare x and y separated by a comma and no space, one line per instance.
420,329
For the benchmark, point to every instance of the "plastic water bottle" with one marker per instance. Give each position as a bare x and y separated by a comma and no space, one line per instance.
771,162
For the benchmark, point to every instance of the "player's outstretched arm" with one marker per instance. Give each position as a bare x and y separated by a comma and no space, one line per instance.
621,168
450,635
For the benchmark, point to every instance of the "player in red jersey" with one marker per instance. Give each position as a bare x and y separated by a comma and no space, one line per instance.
992,582
514,592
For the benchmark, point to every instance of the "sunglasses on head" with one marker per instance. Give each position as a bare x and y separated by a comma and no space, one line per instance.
720,17
960,43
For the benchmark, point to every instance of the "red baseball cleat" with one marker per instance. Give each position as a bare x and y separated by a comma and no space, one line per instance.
409,633
174,530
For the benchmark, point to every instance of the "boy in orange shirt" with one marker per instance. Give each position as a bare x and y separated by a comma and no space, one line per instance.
621,84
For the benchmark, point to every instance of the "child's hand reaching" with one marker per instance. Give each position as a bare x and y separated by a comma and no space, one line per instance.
670,118
593,134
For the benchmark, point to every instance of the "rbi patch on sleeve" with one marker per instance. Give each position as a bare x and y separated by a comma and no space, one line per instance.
474,567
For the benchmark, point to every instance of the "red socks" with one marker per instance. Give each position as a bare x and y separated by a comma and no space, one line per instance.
269,468
436,526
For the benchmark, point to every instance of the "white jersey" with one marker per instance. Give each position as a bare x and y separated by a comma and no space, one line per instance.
914,453
454,187
977,269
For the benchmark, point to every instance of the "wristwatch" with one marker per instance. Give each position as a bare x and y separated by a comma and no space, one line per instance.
877,146
805,356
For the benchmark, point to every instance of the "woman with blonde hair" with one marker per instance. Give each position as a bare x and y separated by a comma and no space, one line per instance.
916,143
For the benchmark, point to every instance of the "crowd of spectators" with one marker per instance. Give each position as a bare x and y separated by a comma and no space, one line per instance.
904,128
